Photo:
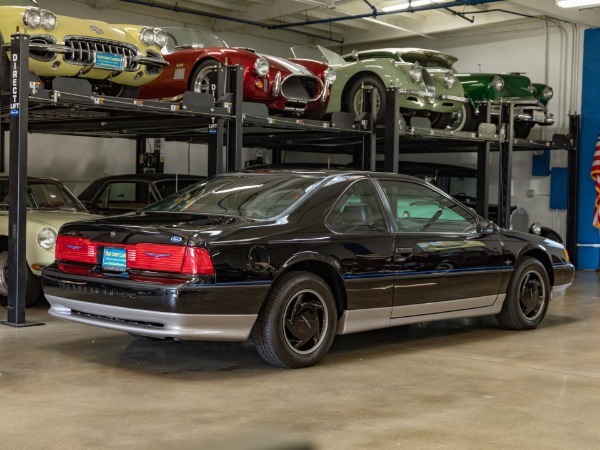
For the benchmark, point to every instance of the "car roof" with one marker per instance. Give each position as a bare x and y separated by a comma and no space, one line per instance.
32,178
149,176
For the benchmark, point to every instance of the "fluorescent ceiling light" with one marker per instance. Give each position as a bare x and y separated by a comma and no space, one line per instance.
414,4
576,3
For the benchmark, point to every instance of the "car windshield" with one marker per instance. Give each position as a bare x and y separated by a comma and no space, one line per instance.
180,38
44,195
426,60
317,53
262,196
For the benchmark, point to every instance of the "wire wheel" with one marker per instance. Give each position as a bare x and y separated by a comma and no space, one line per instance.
203,79
4,273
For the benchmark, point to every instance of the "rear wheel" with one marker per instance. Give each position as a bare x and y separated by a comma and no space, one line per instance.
33,288
527,297
297,323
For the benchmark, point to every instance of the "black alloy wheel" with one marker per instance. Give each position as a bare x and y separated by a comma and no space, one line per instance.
527,297
297,323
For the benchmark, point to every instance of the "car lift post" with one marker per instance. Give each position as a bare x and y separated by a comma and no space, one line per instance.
392,131
216,131
234,76
483,177
572,191
17,174
507,117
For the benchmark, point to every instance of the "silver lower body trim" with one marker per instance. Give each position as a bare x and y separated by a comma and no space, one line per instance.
371,319
205,327
455,98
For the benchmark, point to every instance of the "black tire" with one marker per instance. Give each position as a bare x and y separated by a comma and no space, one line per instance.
200,79
33,286
354,99
464,119
527,297
440,120
522,129
297,323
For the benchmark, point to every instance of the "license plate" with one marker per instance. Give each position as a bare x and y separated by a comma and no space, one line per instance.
108,61
114,259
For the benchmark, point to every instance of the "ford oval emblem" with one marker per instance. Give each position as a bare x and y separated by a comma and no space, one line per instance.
176,239
96,29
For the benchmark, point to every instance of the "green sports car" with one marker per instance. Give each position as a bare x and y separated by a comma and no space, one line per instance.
428,92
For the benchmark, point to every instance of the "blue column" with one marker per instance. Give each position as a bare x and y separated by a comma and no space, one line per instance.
588,237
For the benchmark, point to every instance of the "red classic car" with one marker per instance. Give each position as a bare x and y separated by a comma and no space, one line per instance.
283,86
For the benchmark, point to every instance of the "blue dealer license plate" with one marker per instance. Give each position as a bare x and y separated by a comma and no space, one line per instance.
108,61
114,259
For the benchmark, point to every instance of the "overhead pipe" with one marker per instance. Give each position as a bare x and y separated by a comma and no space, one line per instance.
374,13
176,8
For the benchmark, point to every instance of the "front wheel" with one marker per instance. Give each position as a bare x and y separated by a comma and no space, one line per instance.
33,288
522,129
527,297
297,323
440,120
464,119
203,78
354,102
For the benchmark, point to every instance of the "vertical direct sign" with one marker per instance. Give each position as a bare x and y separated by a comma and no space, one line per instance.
19,80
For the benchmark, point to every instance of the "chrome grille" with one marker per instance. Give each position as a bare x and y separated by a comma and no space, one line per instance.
301,87
83,48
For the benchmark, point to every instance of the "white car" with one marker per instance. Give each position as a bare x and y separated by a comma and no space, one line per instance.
49,205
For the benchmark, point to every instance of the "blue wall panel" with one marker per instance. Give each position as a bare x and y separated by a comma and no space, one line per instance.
588,238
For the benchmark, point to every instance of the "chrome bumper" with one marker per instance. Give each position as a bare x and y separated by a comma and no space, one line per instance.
524,110
454,98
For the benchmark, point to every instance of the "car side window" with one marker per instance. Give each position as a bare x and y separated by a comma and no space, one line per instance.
358,209
125,194
418,208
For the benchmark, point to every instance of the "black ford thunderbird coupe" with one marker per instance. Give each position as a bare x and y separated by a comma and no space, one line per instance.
292,258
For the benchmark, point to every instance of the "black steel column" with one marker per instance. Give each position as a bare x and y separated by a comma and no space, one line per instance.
17,175
234,126
140,151
505,166
216,140
367,123
392,130
572,188
483,179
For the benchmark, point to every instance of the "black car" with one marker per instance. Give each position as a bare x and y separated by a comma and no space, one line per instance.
118,194
293,258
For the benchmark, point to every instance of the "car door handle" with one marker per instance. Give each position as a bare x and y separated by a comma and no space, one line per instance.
404,251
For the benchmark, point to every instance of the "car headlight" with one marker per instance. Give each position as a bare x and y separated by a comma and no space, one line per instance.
498,83
535,228
548,92
160,37
32,18
261,66
330,75
46,238
449,80
416,73
48,20
147,36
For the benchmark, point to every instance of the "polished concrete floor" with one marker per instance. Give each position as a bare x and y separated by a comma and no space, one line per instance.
461,384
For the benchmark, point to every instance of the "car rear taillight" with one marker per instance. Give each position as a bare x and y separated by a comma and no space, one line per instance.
71,248
197,261
141,256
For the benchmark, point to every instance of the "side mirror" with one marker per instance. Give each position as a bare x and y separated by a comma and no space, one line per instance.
487,226
355,54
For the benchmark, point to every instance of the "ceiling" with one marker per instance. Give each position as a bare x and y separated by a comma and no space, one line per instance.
346,22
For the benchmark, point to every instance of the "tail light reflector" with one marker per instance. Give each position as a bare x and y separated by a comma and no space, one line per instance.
71,248
197,261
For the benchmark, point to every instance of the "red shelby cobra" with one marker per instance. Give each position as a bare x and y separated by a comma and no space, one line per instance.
285,87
